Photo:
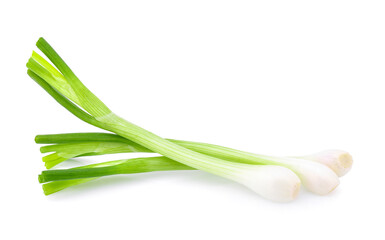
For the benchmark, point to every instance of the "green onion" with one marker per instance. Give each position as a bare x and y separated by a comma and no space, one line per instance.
330,157
70,145
70,92
313,175
272,182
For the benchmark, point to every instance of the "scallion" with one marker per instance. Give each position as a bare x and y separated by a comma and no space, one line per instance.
315,177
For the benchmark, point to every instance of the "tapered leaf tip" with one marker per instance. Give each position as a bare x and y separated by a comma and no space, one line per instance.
47,190
33,52
41,41
30,63
41,178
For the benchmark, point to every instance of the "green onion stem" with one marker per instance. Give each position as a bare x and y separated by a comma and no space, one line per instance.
136,165
83,174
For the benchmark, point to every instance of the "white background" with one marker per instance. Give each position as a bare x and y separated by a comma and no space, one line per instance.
272,77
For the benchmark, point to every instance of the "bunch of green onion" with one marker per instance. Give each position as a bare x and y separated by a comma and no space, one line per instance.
274,178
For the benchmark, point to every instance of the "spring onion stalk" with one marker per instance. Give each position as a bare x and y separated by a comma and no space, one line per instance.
339,161
316,177
56,186
72,145
128,166
64,86
271,184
